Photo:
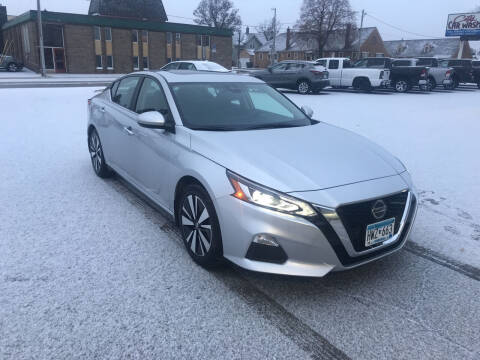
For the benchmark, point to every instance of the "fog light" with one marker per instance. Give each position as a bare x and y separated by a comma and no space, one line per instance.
264,239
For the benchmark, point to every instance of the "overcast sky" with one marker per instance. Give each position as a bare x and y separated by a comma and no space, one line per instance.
425,17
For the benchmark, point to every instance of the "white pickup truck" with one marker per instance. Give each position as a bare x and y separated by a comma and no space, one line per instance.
342,74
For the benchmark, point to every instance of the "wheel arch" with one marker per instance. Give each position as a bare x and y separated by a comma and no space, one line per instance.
182,183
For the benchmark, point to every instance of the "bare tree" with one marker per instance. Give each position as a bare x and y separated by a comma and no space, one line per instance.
217,13
321,18
268,30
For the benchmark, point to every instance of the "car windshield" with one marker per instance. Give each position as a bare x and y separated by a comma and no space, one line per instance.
213,67
235,107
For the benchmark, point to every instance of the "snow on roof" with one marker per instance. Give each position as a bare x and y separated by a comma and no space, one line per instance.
246,38
441,48
307,42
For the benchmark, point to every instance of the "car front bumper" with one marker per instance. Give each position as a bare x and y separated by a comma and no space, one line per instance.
316,246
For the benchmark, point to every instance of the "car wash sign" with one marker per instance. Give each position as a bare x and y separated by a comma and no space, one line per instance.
467,24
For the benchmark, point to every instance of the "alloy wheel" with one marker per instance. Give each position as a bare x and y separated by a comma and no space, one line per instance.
196,225
303,87
12,67
95,149
401,86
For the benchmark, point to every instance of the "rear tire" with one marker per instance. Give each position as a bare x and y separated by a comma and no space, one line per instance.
303,87
432,84
199,227
96,155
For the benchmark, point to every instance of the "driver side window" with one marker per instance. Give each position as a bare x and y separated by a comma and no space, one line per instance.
151,98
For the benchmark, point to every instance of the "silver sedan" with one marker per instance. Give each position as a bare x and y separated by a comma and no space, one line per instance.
250,177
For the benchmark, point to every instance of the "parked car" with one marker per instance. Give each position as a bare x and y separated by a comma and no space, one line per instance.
195,65
437,75
9,63
465,72
342,74
303,76
248,176
402,78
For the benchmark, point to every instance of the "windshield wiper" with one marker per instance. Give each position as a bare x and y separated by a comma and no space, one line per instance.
272,126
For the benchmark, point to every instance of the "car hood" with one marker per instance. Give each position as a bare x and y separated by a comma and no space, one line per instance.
306,158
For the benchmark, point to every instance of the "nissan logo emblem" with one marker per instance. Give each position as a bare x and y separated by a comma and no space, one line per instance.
379,209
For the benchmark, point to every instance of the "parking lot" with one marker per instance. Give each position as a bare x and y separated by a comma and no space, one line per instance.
88,269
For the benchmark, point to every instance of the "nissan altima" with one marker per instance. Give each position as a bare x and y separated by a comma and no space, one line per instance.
248,176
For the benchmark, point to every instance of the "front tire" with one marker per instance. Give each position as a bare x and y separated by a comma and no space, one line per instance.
199,226
303,87
97,157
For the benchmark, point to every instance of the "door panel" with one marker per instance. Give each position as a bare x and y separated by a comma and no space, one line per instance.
335,74
120,122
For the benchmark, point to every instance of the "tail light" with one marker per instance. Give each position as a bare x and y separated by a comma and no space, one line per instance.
448,74
316,72
89,102
424,73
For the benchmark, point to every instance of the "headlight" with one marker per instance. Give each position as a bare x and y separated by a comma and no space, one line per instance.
255,194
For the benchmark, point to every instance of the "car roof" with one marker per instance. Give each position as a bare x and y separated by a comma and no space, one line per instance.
296,62
183,76
192,62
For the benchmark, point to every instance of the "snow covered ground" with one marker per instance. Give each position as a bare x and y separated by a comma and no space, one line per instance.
436,135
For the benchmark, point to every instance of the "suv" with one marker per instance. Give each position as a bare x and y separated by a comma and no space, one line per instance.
195,65
303,76
10,64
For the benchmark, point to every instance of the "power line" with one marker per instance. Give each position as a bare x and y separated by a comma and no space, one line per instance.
400,29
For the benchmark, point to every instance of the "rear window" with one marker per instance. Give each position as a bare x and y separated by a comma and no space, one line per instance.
322,63
401,63
376,63
424,62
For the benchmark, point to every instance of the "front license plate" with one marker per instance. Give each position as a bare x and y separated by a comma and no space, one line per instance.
380,232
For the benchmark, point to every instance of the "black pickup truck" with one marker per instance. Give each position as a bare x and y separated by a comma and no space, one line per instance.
402,77
466,71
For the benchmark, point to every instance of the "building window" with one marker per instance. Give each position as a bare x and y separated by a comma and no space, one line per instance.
134,36
169,38
109,62
108,34
178,47
145,60
136,65
98,33
99,62
261,56
26,39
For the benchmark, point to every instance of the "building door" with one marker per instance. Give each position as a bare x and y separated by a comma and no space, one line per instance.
59,55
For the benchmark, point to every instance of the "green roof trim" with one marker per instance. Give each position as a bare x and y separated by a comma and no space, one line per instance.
78,19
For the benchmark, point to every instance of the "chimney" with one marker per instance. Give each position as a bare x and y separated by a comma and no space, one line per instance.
247,31
289,38
348,36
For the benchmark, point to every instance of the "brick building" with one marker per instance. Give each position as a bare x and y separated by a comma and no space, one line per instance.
350,42
110,40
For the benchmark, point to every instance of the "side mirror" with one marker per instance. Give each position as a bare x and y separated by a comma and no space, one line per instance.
151,120
307,111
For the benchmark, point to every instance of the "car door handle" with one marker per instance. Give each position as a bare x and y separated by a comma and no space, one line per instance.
129,131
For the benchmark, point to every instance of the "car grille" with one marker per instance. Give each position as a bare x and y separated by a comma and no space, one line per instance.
356,217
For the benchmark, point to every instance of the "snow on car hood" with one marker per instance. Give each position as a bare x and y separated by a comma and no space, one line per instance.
297,159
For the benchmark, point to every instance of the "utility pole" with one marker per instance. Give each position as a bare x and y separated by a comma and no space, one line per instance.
238,47
40,39
360,35
274,50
